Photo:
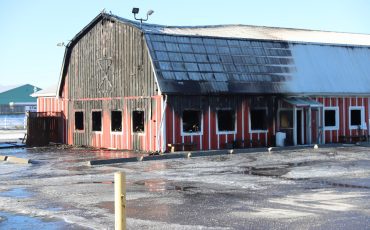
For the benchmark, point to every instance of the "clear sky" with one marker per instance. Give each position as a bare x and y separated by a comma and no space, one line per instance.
30,29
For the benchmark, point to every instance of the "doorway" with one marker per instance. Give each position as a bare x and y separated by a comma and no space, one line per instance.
300,128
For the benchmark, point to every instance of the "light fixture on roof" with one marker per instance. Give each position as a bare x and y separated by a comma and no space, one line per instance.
135,11
60,44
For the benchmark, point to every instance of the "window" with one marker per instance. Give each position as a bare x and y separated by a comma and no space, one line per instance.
258,118
286,119
331,118
226,120
191,121
116,121
356,116
96,121
79,120
138,121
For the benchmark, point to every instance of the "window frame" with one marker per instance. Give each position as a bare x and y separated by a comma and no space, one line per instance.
331,108
250,121
132,123
83,122
362,110
235,121
201,124
101,120
116,110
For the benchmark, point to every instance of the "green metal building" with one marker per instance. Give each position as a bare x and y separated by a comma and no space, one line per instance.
16,100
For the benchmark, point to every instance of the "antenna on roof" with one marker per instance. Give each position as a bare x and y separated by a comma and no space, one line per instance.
136,11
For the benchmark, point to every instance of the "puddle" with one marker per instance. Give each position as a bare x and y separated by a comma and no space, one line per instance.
95,182
17,193
160,185
15,221
278,170
107,205
341,185
220,158
270,171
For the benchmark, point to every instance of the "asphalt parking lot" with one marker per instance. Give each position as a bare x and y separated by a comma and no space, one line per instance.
327,188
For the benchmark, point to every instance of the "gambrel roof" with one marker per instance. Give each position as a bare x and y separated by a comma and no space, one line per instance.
240,59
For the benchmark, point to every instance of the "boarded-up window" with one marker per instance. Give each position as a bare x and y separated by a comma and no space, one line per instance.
116,121
226,120
286,119
79,120
96,121
137,121
191,121
258,118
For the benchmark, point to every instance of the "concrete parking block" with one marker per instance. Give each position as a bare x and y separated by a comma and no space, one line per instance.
18,160
3,158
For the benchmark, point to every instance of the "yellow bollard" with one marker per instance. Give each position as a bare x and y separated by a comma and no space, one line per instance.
120,200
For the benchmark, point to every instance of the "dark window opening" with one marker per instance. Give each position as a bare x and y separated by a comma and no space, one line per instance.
286,119
116,121
355,117
96,121
138,121
226,120
79,121
330,119
191,121
258,119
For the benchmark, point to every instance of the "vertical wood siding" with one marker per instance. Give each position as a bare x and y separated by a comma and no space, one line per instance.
110,69
210,139
343,104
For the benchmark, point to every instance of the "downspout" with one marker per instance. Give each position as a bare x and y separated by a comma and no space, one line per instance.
161,130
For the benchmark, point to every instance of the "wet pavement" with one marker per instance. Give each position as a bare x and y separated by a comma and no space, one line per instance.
328,188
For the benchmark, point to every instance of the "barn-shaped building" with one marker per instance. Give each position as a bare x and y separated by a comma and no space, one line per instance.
129,86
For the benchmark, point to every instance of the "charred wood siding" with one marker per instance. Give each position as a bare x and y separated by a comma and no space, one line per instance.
110,69
209,137
111,60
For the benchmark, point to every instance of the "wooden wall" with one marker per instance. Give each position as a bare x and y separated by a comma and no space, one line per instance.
209,138
110,69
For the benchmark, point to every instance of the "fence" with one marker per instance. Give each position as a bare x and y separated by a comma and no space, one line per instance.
43,128
13,122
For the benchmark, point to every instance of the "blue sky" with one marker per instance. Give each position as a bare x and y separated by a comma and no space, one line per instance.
30,29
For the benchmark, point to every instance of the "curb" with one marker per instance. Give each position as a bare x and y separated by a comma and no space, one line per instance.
178,155
189,154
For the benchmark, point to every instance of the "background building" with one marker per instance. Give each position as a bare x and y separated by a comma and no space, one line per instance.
14,102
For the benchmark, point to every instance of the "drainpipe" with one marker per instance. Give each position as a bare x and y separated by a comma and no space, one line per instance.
161,130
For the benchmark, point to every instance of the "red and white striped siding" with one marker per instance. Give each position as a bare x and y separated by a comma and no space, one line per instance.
124,139
209,138
343,104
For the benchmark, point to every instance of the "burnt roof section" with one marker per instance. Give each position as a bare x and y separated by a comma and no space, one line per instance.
240,59
205,65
